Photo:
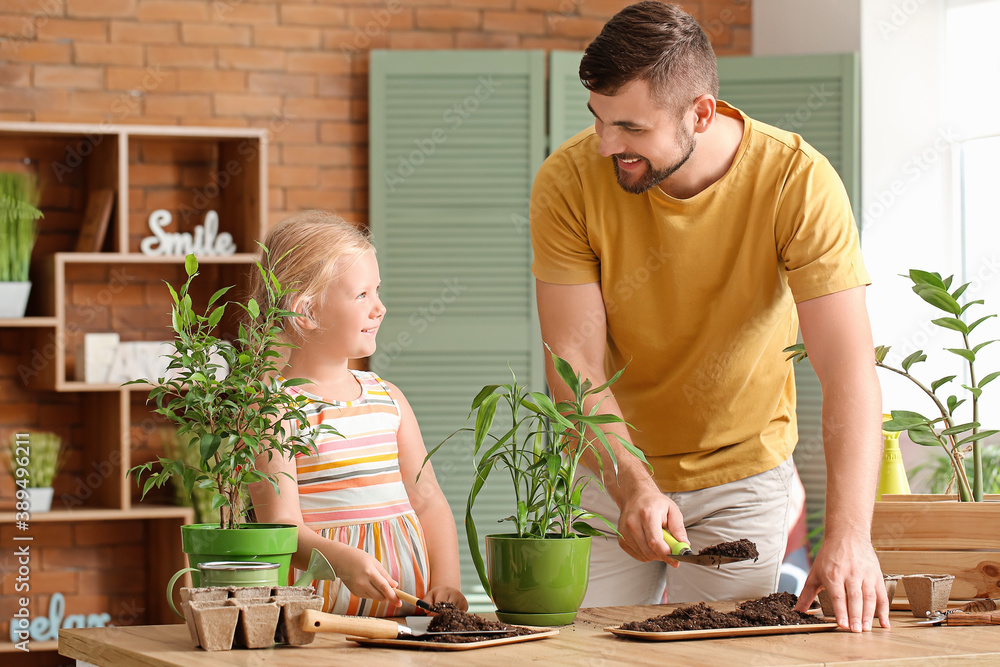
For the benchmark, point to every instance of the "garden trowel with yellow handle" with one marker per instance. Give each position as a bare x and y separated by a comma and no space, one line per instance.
681,551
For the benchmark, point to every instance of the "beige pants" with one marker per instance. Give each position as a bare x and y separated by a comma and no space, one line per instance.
756,508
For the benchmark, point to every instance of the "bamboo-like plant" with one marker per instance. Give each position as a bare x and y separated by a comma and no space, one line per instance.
35,460
540,449
233,413
19,197
957,439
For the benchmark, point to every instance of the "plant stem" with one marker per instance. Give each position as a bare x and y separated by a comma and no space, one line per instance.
964,489
977,455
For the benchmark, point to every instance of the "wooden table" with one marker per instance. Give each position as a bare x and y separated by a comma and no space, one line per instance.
583,643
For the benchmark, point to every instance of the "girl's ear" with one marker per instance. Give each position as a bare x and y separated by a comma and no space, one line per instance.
301,304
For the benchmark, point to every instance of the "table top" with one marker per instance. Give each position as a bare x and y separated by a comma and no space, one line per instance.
584,642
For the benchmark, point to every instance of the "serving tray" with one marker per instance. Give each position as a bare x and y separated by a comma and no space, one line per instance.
717,633
447,646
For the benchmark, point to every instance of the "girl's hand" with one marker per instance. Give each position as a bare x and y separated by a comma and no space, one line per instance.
440,594
366,578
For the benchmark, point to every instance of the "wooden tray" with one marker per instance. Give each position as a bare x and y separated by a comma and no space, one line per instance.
446,646
720,632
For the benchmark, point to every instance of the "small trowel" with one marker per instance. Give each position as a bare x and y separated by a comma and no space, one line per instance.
378,628
682,552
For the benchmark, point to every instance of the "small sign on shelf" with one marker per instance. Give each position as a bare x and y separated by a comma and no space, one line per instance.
206,241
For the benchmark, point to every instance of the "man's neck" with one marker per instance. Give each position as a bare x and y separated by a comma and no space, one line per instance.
713,155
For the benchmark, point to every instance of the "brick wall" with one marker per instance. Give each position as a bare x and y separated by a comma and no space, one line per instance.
299,68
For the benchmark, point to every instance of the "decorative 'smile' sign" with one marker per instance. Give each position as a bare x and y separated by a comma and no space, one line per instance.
206,240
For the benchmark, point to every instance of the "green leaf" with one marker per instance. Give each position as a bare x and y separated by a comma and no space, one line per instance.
253,308
914,358
880,353
210,443
218,294
939,298
219,500
191,265
977,437
566,372
968,355
960,291
923,435
982,345
587,529
989,378
977,302
978,322
216,316
484,420
953,404
798,353
481,396
938,383
926,278
952,323
961,428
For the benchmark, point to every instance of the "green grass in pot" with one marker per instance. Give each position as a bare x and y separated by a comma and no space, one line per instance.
44,459
540,448
19,197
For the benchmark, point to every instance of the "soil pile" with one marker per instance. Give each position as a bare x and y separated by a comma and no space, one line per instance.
775,609
450,619
742,548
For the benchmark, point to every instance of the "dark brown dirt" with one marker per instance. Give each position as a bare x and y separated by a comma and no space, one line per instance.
450,619
742,548
775,609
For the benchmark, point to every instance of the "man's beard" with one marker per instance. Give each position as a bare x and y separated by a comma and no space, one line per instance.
652,176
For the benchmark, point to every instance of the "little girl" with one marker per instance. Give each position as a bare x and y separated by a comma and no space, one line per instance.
357,499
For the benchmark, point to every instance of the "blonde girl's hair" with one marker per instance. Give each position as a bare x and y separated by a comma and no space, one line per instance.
314,248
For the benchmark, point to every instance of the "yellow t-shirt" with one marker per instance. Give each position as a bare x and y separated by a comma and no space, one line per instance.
700,293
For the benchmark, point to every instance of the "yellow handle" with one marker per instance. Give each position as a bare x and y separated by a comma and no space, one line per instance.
676,548
406,597
376,628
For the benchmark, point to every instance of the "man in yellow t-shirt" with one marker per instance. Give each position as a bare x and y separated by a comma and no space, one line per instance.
685,239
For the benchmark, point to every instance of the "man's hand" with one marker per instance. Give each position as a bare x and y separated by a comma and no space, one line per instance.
851,575
643,516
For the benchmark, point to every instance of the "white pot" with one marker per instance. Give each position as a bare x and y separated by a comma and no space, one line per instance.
40,498
14,299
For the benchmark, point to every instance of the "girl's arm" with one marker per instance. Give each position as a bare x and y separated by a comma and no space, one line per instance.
363,575
432,509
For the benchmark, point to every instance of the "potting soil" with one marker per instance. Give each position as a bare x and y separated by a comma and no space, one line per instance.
451,619
742,548
774,609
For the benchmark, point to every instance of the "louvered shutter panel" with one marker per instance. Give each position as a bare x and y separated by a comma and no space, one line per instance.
455,141
815,96
818,97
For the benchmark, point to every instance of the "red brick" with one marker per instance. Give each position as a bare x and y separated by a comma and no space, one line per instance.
319,63
732,12
568,26
92,8
483,4
247,105
234,11
144,33
522,23
45,534
174,10
294,131
297,175
448,19
182,56
215,34
421,40
86,293
331,200
97,53
743,39
306,107
343,133
211,81
30,99
276,197
602,9
343,178
341,86
355,41
465,39
380,19
248,58
561,6
89,31
68,77
554,43
34,52
121,581
312,15
141,78
15,76
285,37
294,154
282,84
95,558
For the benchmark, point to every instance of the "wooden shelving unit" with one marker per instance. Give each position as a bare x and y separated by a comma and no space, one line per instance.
116,550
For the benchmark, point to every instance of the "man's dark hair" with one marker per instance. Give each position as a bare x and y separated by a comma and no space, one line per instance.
657,43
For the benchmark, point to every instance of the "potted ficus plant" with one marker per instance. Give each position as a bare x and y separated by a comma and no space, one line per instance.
224,401
538,573
19,197
934,534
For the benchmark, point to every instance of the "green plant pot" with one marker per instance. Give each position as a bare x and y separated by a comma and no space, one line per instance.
537,581
269,542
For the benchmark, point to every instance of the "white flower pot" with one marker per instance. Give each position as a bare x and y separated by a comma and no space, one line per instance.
13,299
40,498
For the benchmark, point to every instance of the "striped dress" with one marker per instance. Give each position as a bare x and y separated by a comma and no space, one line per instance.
352,491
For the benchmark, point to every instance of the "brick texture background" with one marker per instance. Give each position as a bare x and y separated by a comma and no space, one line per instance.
296,67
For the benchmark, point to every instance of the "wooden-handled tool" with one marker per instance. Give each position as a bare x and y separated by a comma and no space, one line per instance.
682,551
377,628
415,601
973,618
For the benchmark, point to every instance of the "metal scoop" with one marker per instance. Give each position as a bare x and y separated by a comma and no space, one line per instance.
682,551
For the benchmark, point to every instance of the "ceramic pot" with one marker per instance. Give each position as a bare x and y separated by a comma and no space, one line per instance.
537,581
268,542
40,498
14,299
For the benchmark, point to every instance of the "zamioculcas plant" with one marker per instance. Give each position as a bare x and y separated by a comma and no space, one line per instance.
945,429
231,413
